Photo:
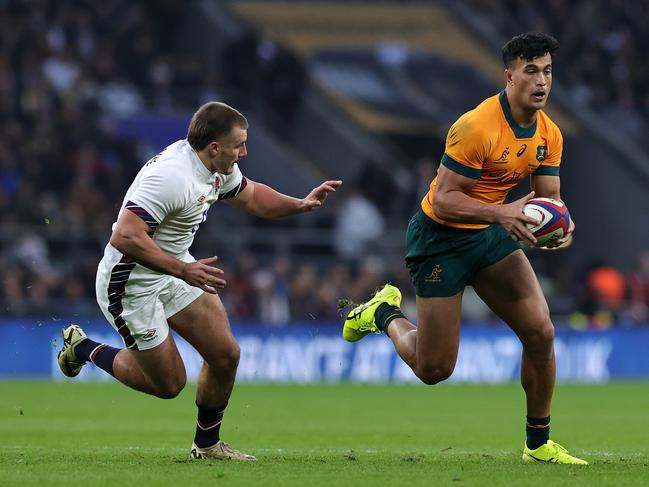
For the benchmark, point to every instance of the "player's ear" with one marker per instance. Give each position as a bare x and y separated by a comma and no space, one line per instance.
214,147
508,76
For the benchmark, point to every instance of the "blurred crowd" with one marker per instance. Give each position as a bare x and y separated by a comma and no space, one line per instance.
68,69
602,58
260,74
65,66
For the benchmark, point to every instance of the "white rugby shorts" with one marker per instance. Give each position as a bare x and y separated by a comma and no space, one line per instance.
138,307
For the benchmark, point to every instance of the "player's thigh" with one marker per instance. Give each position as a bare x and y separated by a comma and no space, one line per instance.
204,324
510,288
138,316
162,366
438,331
441,260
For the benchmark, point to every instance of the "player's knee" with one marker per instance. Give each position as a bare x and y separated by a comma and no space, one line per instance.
231,358
171,389
432,374
228,359
540,338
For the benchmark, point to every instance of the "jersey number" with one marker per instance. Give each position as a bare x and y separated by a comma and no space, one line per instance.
203,218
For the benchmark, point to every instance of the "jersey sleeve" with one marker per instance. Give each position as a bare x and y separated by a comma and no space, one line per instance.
467,147
233,184
158,194
550,164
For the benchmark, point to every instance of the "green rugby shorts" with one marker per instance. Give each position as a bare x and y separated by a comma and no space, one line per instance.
442,260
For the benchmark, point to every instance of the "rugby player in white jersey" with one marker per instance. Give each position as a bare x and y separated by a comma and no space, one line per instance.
147,281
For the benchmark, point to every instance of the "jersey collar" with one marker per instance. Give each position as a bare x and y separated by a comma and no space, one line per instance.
519,132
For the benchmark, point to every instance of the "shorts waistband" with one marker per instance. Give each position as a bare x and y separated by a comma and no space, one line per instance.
424,218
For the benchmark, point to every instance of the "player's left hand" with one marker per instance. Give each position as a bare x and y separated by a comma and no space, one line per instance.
317,196
563,242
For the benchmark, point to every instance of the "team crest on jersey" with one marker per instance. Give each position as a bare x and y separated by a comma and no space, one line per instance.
201,200
541,152
435,274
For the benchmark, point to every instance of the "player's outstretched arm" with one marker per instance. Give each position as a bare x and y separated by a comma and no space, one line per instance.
263,201
131,237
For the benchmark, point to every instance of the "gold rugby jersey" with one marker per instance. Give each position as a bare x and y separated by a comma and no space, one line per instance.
486,144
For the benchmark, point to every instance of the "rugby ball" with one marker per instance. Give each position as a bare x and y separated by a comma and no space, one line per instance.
553,216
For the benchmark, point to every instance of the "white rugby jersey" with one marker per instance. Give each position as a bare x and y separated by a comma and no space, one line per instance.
172,193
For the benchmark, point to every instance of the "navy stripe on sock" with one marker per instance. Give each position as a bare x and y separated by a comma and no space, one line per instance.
104,357
99,354
84,348
208,425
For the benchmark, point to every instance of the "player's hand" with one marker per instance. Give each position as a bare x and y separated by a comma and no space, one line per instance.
317,196
203,275
563,242
515,221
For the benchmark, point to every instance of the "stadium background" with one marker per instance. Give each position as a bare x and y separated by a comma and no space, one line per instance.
361,91
364,92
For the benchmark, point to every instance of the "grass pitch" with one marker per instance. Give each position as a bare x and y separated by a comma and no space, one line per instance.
106,434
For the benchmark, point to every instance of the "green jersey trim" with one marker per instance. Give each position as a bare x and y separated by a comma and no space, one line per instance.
547,171
519,132
460,168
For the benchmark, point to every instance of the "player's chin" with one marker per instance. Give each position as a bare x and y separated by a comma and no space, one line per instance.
538,102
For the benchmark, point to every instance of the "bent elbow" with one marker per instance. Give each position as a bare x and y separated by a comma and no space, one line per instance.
119,241
440,207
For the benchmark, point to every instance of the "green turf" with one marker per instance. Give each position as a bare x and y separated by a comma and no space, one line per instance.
105,434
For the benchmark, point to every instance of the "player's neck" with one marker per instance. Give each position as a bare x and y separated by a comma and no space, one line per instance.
205,160
524,118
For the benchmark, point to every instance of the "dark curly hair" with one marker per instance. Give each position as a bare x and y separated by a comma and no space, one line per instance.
528,46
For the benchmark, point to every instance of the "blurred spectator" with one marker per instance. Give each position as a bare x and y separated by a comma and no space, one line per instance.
242,69
638,283
29,276
272,290
282,82
304,286
603,299
264,74
240,291
425,172
375,182
359,224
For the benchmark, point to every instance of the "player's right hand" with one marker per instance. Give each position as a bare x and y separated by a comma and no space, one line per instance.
515,221
203,275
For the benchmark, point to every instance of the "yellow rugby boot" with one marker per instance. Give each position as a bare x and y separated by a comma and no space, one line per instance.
360,320
220,451
551,452
69,363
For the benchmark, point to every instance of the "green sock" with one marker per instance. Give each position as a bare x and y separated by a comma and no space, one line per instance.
538,432
384,314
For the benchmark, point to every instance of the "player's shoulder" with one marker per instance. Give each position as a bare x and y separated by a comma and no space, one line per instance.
547,121
478,122
548,125
485,109
172,162
175,153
